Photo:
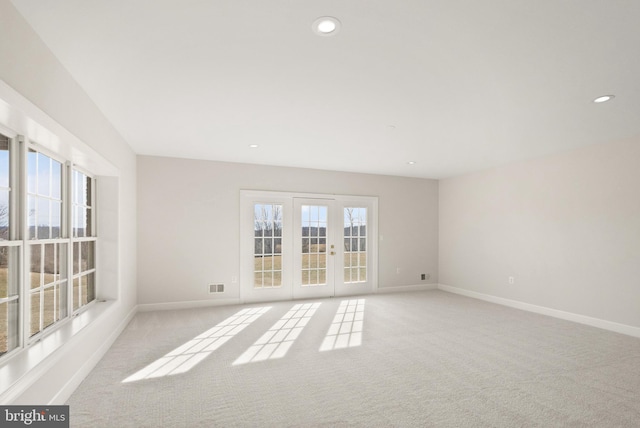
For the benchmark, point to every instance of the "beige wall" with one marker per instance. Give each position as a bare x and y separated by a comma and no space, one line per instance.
567,227
188,222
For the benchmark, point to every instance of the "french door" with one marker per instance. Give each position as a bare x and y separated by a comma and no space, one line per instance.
314,248
307,246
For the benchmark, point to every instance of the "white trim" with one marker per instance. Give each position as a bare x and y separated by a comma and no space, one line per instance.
189,304
288,201
25,367
407,288
83,371
569,316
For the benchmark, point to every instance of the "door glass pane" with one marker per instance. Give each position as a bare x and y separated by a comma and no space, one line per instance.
314,249
355,244
267,266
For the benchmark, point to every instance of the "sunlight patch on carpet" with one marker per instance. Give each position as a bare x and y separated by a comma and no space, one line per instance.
346,329
187,356
275,343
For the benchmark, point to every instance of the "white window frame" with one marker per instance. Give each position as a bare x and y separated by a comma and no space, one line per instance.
20,238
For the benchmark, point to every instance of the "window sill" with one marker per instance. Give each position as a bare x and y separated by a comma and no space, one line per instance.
25,366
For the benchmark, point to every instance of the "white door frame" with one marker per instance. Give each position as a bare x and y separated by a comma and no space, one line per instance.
286,291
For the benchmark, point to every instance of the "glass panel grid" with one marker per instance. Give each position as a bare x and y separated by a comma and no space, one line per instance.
9,297
355,244
44,196
48,282
267,248
314,244
4,187
81,212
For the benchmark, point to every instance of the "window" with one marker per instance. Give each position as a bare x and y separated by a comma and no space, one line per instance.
47,242
10,250
47,249
84,243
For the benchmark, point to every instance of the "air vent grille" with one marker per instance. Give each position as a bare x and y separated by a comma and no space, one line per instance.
216,288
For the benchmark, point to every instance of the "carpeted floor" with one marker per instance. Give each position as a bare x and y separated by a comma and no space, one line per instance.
427,359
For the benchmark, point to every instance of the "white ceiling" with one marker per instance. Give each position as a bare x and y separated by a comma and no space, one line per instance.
454,85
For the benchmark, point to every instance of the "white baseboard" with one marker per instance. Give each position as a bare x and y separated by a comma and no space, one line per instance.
404,288
169,306
83,371
569,316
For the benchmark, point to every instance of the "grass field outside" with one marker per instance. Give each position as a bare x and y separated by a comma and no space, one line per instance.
268,269
52,295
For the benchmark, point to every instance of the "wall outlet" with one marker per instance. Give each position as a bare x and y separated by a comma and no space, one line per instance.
512,280
423,276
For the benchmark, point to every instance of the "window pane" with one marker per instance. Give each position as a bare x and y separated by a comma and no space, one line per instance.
88,288
43,218
88,191
31,216
4,161
4,272
56,180
76,293
8,325
277,279
9,271
79,222
4,214
32,168
50,263
36,263
88,221
35,312
62,301
76,258
49,311
56,219
61,272
87,257
44,175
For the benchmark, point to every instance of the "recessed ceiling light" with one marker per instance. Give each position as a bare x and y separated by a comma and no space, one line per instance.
411,163
326,26
253,146
604,98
